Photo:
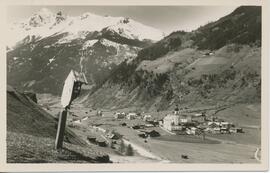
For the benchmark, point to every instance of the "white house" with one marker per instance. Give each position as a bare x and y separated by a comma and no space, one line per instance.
149,125
213,123
147,118
131,116
185,119
192,131
225,125
119,115
171,120
176,128
78,121
84,118
198,114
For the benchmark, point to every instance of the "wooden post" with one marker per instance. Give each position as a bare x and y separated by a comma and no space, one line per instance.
61,129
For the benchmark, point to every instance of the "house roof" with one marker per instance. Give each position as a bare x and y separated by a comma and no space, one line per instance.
91,137
79,77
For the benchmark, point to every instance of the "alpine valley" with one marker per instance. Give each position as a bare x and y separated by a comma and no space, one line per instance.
137,75
130,64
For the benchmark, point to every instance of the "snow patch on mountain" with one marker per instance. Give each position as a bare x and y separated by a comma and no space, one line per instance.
109,43
52,59
89,43
123,52
29,83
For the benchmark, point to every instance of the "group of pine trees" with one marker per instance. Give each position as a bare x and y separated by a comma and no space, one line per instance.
126,149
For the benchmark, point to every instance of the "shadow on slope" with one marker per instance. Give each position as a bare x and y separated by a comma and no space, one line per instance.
31,133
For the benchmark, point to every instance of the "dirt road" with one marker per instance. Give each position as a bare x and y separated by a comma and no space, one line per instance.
144,152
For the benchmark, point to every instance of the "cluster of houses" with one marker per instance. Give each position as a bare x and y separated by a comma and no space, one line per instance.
132,116
123,115
195,124
148,133
149,121
105,137
143,128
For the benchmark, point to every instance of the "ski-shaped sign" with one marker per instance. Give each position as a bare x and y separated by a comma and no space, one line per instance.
72,87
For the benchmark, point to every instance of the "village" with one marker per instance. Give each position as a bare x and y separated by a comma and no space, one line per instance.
180,124
116,130
176,123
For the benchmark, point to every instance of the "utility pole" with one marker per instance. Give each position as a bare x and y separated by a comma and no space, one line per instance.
71,91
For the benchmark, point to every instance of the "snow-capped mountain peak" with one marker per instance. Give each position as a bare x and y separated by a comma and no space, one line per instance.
131,29
42,17
45,23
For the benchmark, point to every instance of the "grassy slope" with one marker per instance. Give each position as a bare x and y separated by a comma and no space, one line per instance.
228,76
31,133
176,70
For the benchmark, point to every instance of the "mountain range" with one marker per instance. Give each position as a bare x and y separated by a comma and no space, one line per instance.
130,65
46,46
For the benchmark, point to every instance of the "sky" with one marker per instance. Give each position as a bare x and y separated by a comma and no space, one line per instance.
165,18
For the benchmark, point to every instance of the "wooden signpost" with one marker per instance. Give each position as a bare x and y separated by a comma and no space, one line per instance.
61,129
71,91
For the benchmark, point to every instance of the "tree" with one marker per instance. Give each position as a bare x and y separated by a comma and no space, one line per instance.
111,145
122,147
129,150
175,42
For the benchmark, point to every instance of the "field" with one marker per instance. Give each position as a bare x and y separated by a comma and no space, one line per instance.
249,137
197,152
186,139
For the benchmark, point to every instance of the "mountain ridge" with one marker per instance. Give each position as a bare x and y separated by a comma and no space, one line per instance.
179,70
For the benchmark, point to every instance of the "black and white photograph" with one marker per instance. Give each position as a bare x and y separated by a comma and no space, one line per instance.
134,84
